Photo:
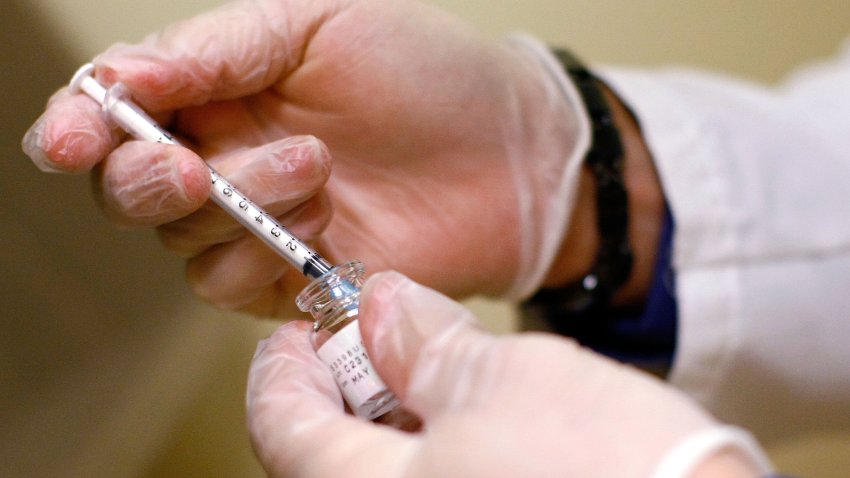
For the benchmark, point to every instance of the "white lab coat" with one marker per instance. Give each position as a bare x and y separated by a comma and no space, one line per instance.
758,180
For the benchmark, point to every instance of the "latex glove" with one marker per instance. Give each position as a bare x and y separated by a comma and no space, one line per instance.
455,157
520,405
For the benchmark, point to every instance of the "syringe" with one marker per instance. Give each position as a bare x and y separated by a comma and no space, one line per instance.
132,119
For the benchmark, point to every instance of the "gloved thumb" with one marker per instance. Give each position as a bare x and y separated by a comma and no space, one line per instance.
428,350
426,347
235,50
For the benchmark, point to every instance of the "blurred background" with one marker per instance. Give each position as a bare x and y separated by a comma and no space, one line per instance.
108,365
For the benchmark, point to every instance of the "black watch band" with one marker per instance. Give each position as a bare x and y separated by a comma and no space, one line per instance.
605,160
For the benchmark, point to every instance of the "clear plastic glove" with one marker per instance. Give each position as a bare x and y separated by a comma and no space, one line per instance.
455,158
521,405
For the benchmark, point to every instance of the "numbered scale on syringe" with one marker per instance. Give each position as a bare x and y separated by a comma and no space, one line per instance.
267,228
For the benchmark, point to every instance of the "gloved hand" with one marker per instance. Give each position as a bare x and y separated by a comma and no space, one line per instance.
455,158
521,405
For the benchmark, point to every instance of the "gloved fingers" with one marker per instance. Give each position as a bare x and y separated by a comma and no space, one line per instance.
245,274
147,184
235,50
220,127
277,299
426,347
278,172
71,136
297,422
233,275
285,178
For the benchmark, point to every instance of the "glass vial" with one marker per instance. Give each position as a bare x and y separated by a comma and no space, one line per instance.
334,302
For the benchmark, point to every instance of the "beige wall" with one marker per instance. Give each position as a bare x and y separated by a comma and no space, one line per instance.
108,366
757,38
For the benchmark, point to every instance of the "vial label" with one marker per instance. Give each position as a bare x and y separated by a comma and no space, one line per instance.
346,357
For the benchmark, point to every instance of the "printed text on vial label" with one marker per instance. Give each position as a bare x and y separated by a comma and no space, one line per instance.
346,357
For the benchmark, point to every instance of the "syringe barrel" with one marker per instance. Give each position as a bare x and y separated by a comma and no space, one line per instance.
132,119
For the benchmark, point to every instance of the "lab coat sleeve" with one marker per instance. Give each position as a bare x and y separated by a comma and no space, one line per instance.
758,181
